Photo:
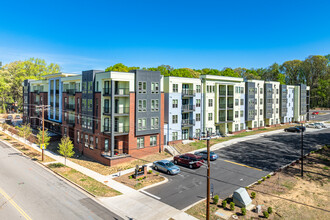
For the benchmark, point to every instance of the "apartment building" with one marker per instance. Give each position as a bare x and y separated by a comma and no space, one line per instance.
254,105
183,108
223,104
111,117
272,103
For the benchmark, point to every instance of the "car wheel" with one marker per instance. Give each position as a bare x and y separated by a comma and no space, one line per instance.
156,168
168,172
176,162
190,166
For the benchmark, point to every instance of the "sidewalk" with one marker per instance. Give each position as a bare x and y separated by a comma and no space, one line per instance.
132,204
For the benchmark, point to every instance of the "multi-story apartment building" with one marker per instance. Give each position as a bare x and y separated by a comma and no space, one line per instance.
223,104
111,117
254,105
183,108
272,103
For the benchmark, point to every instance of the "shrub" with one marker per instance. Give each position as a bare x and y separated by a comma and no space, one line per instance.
138,185
224,203
56,165
243,211
270,210
232,206
266,214
216,199
157,174
268,176
246,187
263,178
130,177
259,181
149,171
253,195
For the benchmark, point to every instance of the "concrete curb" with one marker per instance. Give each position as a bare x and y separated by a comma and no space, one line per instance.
156,184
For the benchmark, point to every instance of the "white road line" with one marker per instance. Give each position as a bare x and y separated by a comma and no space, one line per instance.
149,194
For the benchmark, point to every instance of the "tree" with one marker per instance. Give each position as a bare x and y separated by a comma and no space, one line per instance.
119,67
46,138
24,131
292,70
185,72
66,148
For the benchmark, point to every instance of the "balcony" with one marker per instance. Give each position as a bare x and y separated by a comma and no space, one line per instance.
106,110
70,122
222,119
230,105
230,118
52,91
36,102
222,93
36,91
222,106
71,107
122,110
119,130
71,91
116,153
106,92
188,108
230,93
188,93
57,104
122,92
187,122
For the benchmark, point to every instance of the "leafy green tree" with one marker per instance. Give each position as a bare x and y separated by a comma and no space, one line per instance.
292,70
65,148
46,138
229,72
185,72
119,67
24,131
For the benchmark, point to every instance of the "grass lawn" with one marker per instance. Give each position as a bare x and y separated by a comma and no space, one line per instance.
106,170
150,178
25,149
86,182
289,195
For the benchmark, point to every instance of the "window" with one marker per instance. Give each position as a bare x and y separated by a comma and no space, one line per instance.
65,131
174,136
276,101
153,141
276,91
198,133
154,123
142,105
96,142
86,140
106,124
154,87
198,117
236,127
241,113
106,145
261,90
260,101
260,111
198,89
174,103
175,87
242,101
276,120
236,89
140,143
91,142
276,110
198,103
210,102
142,87
81,138
210,116
154,105
242,90
78,136
174,119
142,122
261,124
255,124
236,101
241,126
236,114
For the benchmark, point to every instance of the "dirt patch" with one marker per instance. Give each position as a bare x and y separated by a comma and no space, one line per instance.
149,179
289,195
86,182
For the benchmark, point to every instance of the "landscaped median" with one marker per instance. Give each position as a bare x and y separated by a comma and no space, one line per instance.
89,184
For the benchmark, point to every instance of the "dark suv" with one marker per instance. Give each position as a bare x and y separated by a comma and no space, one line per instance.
189,160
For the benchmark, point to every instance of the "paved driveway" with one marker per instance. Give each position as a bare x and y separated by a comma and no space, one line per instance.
238,166
322,117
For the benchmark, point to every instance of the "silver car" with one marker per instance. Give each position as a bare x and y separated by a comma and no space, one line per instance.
313,125
166,167
320,124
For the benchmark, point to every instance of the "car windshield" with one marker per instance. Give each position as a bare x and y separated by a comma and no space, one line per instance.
169,164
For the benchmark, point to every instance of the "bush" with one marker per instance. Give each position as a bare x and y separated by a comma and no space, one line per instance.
157,174
243,211
253,195
130,177
138,185
246,187
149,171
266,214
56,165
224,204
232,206
270,210
259,181
216,199
263,178
268,176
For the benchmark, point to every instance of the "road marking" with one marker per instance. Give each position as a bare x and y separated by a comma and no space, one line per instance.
149,194
242,165
15,205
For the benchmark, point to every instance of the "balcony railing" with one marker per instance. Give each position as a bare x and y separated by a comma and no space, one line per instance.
70,121
122,91
188,122
106,110
222,105
106,91
186,108
121,129
222,119
223,93
230,93
36,91
188,92
229,118
116,153
70,107
122,110
230,105
70,91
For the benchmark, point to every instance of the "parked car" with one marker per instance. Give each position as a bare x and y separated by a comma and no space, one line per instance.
313,125
17,117
315,113
203,154
9,119
320,124
190,160
292,129
303,128
166,166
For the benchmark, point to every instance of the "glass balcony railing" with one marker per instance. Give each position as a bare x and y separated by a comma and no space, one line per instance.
122,91
186,108
122,110
188,92
188,122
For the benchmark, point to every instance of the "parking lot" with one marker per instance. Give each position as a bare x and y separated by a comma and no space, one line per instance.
238,166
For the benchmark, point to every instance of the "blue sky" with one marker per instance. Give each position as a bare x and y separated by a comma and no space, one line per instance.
81,35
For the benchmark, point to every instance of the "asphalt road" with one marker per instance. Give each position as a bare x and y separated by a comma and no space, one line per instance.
263,155
322,117
28,191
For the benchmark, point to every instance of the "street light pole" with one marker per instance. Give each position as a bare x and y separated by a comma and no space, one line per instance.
302,151
208,178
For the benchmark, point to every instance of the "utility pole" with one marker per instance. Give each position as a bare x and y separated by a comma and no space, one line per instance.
208,178
302,151
43,129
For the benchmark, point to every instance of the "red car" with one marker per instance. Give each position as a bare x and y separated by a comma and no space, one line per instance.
189,160
315,113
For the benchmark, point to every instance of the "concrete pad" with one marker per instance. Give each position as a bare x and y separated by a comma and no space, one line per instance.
223,214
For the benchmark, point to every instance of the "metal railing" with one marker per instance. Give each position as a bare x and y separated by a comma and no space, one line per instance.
122,91
222,105
188,92
121,129
230,93
222,92
70,106
188,122
188,108
230,105
71,91
106,91
122,110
